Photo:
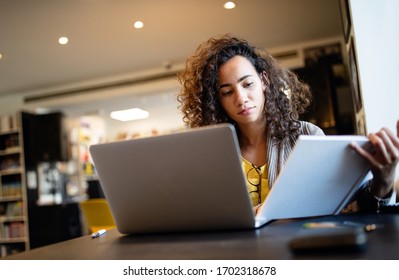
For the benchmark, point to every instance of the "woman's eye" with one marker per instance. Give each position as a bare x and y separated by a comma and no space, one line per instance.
248,84
226,93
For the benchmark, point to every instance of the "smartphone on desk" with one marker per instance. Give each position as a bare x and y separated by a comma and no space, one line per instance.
332,238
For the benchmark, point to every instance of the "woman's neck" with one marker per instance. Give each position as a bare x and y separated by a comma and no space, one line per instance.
253,143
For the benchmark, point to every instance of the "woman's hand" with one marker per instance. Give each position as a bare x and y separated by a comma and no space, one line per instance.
383,160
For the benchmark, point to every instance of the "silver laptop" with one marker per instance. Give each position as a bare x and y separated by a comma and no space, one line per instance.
193,181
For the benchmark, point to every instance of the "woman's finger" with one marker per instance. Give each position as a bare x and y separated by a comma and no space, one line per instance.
365,154
390,145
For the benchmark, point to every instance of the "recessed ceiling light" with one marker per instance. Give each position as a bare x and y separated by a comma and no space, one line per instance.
229,5
138,24
1,56
63,40
129,114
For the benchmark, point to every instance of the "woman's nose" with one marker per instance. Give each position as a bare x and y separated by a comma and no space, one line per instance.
241,97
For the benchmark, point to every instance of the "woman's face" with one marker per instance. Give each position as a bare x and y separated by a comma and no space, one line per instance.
241,91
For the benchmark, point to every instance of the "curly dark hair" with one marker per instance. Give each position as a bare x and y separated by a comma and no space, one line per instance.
286,97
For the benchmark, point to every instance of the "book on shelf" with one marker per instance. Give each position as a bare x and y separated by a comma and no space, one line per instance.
10,163
10,249
3,250
10,143
2,210
12,189
14,230
14,209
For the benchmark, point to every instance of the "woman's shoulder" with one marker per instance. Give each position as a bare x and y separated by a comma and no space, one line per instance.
308,128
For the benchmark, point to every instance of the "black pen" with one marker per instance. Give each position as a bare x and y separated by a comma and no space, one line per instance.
98,233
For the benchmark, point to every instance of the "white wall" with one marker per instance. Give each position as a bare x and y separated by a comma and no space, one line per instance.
9,104
376,30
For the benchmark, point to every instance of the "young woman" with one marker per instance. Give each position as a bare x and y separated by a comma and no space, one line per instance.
229,80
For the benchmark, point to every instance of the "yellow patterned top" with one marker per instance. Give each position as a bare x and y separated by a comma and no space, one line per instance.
256,180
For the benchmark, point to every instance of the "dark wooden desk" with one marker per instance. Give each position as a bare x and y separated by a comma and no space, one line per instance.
269,242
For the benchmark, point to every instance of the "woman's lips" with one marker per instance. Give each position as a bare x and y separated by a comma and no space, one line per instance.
246,111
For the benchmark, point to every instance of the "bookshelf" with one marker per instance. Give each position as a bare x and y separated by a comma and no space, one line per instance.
14,227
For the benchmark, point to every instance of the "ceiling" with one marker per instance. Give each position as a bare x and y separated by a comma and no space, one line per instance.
103,42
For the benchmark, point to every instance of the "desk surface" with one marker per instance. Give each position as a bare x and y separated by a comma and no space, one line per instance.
268,242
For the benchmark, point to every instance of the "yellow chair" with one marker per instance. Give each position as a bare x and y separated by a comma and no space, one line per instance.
96,214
